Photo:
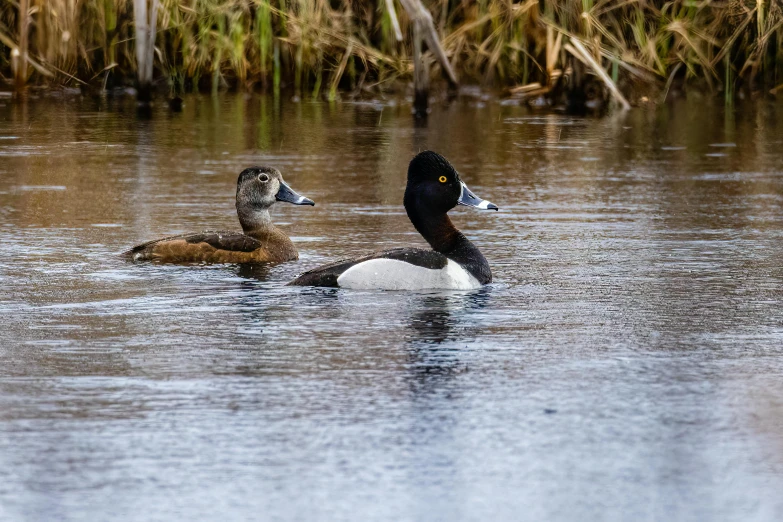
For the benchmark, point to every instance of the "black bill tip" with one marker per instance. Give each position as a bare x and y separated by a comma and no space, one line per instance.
469,199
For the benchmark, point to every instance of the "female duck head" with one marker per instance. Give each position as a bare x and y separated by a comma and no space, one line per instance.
434,187
260,187
257,190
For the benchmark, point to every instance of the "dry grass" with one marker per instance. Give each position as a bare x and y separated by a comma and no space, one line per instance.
320,47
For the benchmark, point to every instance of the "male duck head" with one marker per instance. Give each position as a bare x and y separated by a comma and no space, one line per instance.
258,188
434,187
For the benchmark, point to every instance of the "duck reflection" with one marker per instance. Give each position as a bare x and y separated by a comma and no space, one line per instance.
257,271
263,302
435,327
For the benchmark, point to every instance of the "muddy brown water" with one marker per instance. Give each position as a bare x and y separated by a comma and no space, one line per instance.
626,364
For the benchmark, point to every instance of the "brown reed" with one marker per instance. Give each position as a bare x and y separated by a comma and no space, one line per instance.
320,48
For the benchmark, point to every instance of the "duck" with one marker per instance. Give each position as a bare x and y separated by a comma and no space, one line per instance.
433,188
258,188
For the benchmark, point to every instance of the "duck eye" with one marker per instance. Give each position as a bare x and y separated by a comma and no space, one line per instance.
442,179
263,178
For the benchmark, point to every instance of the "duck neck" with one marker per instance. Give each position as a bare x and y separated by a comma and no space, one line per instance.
444,237
438,230
255,222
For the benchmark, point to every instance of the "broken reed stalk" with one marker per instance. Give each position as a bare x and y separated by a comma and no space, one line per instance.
551,56
421,76
20,69
424,30
550,44
419,14
145,13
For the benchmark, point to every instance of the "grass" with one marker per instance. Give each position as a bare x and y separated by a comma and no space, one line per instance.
320,48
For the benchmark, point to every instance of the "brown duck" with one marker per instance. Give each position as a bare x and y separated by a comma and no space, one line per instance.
260,241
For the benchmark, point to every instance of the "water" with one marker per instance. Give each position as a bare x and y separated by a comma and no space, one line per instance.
625,364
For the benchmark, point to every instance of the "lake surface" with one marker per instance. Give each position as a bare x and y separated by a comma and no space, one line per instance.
626,363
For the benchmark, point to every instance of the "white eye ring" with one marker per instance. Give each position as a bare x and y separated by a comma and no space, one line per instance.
263,178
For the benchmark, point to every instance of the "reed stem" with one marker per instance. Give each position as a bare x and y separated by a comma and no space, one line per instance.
20,72
145,17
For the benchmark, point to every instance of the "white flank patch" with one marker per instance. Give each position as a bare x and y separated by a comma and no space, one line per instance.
391,274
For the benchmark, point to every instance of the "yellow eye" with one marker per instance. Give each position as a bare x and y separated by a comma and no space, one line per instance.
442,179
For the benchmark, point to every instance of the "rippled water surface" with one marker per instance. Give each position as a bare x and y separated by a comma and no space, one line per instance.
626,364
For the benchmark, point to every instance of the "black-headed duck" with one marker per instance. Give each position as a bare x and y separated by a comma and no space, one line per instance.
260,241
433,188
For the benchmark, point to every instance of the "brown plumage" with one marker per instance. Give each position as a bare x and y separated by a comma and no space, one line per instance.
257,190
218,247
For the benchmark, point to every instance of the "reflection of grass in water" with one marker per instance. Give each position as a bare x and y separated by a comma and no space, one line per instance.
311,44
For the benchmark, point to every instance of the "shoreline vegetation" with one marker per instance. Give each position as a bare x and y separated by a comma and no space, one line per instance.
579,55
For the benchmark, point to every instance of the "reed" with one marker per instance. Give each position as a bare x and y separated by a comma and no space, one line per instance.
321,48
145,14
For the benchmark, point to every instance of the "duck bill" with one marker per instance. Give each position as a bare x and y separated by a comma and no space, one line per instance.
289,195
469,199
